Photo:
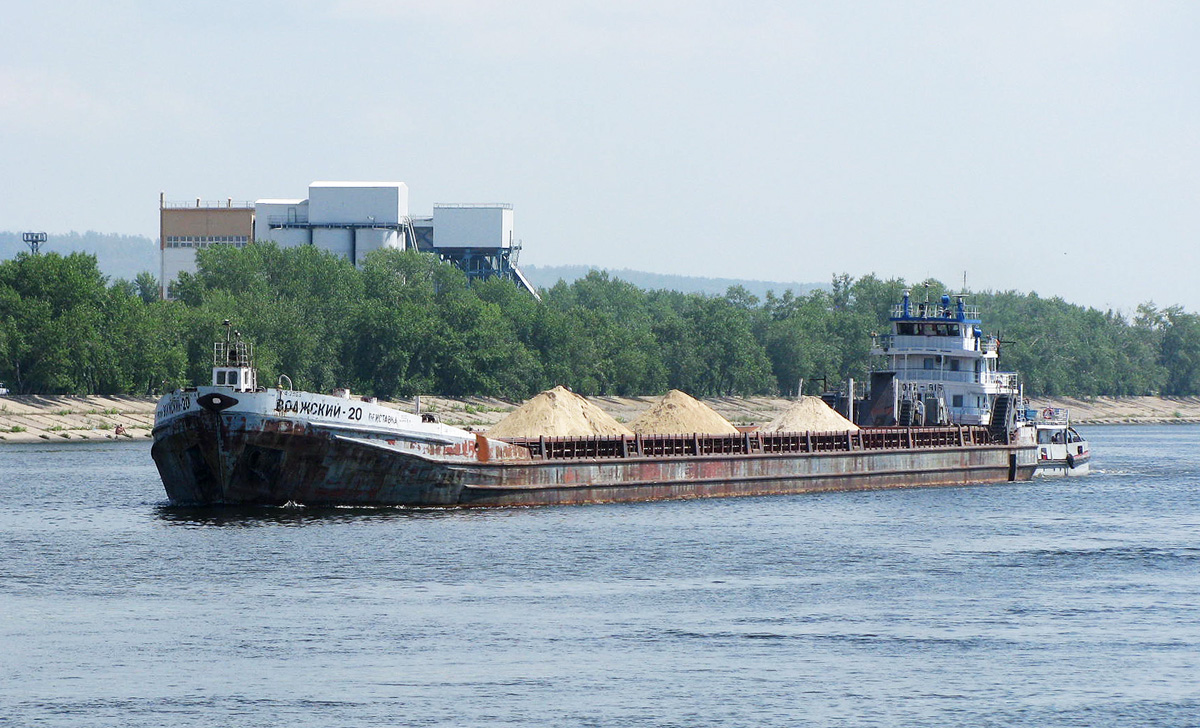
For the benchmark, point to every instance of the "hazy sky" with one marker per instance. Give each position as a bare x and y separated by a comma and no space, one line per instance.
1034,146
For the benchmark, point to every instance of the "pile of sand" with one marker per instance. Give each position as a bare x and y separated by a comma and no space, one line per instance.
810,414
678,414
557,412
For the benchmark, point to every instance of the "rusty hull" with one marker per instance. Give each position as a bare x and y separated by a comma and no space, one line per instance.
210,458
736,475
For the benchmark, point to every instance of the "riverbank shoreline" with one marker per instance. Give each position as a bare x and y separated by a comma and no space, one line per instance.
66,418
35,418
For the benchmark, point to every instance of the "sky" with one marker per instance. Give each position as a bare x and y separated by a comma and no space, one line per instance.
1030,146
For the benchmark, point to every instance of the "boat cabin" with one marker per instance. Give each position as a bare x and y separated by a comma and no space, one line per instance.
233,366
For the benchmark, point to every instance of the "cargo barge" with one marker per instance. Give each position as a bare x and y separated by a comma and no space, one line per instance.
235,443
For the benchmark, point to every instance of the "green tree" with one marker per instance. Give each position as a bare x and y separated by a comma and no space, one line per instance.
147,287
1180,353
605,337
734,362
57,310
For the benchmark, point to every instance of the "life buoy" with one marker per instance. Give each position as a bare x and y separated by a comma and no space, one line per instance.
1048,414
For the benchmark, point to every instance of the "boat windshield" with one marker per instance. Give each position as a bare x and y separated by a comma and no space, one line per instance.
1046,435
927,329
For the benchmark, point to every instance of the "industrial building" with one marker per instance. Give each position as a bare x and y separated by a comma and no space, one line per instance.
185,227
350,219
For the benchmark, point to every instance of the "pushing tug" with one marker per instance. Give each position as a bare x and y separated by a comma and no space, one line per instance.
235,442
940,369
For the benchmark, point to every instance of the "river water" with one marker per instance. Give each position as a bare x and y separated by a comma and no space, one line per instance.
1053,603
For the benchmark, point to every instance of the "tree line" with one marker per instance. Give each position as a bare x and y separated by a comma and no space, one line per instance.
405,323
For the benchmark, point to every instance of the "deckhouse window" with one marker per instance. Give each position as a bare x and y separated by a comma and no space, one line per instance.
220,378
233,377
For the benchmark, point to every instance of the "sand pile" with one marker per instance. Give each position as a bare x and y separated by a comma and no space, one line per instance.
557,412
810,414
678,414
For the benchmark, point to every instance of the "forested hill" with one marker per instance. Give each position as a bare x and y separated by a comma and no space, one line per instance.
546,276
119,256
404,323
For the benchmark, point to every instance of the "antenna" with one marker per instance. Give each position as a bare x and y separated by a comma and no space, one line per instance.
34,241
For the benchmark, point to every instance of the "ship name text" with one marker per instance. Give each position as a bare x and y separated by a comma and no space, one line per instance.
304,407
173,406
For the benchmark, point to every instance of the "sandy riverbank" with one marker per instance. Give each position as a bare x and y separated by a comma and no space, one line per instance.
55,418
60,418
1127,410
483,412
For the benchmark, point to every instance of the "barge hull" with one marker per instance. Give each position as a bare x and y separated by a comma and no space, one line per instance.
210,458
754,476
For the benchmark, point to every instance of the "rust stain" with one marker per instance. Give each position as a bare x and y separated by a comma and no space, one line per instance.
482,451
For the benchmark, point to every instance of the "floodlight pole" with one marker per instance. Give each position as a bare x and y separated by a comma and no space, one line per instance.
34,241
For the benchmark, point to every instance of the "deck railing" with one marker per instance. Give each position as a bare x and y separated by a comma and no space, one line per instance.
1004,380
892,344
208,205
752,443
934,311
936,375
233,354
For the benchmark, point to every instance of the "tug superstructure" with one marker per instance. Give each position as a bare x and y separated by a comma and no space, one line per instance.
945,370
